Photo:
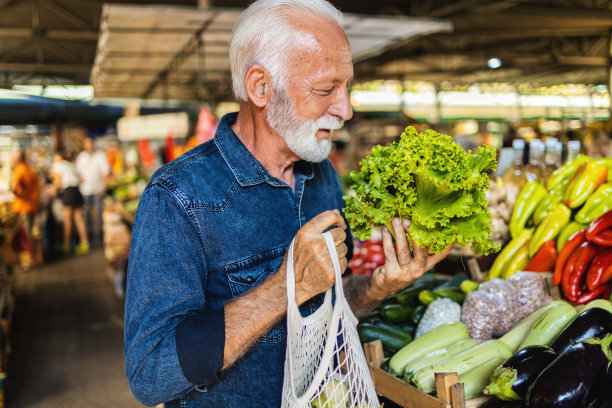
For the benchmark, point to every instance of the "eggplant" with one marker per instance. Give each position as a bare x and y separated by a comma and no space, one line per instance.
595,322
600,394
500,403
511,380
565,382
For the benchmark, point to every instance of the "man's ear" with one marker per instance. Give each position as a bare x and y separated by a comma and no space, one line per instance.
258,85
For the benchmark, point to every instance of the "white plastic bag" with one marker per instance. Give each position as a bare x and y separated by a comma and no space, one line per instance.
324,364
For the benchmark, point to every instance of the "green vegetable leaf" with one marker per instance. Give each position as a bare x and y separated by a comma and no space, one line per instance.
429,179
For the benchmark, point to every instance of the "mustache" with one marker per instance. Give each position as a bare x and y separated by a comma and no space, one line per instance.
329,122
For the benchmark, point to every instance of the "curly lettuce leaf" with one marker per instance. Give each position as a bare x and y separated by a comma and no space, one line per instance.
429,179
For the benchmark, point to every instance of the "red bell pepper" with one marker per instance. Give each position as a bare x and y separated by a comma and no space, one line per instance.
577,264
600,271
607,293
570,246
545,258
586,297
600,230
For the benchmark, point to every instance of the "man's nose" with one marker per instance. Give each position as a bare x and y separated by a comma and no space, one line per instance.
341,107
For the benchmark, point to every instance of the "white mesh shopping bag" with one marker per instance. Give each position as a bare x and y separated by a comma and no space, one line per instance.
324,364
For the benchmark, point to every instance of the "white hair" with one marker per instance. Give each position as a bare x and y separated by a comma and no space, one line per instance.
264,35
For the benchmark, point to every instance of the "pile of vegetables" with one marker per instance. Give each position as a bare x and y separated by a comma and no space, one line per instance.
548,229
430,180
509,365
571,371
421,307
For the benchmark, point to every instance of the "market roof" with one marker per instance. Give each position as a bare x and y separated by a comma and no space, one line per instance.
540,42
182,53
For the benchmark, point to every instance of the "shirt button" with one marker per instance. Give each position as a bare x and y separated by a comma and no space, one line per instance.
250,279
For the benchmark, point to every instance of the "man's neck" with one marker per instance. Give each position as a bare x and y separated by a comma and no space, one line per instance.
266,145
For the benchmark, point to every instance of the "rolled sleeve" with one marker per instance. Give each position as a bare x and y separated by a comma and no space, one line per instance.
203,331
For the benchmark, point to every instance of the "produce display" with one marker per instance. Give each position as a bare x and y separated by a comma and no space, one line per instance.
504,337
549,226
429,179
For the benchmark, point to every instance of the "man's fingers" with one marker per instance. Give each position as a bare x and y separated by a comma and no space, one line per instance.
339,235
403,249
342,250
389,250
327,219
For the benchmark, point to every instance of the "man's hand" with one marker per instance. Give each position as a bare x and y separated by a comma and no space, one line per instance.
312,264
401,266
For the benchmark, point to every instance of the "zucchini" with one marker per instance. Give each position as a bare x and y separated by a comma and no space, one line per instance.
395,313
549,325
433,340
601,303
515,336
461,363
437,356
475,380
392,339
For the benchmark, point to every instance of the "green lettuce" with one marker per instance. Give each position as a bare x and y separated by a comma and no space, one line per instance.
429,179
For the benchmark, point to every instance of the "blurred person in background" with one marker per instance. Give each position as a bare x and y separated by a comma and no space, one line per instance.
66,182
25,187
93,169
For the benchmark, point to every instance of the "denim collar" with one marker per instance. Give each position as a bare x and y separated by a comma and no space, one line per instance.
246,169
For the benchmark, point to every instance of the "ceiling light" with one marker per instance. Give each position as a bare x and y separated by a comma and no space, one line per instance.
494,63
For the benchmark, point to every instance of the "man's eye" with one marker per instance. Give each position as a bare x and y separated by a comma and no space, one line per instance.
325,91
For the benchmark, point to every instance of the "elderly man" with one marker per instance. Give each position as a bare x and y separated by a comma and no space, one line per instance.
206,293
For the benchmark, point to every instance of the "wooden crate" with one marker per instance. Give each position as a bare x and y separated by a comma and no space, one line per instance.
449,391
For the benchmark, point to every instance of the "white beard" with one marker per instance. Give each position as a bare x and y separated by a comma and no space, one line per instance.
299,134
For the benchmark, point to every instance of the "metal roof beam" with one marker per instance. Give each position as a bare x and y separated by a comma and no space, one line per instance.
66,14
46,67
190,48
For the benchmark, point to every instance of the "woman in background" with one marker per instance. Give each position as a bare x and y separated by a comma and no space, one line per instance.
66,181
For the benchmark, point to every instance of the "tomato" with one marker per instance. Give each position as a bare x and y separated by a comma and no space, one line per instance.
375,257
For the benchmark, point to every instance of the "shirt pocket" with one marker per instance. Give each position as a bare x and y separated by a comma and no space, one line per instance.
248,273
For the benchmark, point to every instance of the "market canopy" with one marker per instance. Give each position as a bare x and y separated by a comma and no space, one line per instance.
154,52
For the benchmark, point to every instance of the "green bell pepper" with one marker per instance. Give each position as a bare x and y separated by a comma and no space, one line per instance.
526,203
567,231
597,204
550,227
564,173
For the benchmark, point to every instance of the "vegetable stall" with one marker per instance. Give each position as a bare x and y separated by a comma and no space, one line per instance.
543,308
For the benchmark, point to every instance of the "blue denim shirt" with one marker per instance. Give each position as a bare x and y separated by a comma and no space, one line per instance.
210,226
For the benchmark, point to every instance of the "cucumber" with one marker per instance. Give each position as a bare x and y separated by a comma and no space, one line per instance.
391,339
461,363
436,356
372,317
452,293
408,295
395,313
427,297
515,336
468,286
549,325
417,314
475,380
455,281
433,340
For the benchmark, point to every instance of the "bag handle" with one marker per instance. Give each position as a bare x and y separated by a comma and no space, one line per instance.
332,329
